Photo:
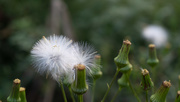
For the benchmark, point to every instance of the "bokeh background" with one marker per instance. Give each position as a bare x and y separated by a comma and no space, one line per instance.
102,23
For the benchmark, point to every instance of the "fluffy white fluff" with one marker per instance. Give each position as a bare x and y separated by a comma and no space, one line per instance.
57,56
52,56
83,54
156,34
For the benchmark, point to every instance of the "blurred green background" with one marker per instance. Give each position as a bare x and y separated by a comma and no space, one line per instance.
102,23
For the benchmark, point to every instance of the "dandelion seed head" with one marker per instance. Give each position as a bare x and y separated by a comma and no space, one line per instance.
155,34
51,55
83,54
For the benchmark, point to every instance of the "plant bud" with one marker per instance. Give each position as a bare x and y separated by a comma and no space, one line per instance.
123,81
22,94
160,95
146,83
178,97
96,71
14,95
152,60
80,86
122,59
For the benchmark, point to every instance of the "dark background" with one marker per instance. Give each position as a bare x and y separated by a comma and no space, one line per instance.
102,23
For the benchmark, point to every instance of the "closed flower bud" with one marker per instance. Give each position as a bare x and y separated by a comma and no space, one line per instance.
160,95
122,59
146,82
14,95
96,71
79,85
123,81
152,60
22,94
178,97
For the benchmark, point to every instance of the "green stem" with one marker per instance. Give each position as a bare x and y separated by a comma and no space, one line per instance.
133,89
109,87
93,90
72,96
80,98
117,92
146,95
63,92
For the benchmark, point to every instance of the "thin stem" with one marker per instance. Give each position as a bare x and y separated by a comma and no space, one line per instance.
117,92
71,93
80,98
109,87
63,92
133,89
93,90
146,95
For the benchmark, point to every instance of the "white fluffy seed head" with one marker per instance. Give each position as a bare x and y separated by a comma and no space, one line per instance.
155,34
51,55
83,54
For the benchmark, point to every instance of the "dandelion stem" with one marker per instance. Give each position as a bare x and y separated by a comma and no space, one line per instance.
93,90
146,95
72,96
109,87
63,92
117,92
80,98
133,89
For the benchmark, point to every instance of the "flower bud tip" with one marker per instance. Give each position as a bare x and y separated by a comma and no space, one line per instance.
22,89
152,46
80,67
127,42
145,71
97,56
17,81
166,83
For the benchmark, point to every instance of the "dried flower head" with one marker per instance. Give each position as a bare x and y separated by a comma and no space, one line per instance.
51,55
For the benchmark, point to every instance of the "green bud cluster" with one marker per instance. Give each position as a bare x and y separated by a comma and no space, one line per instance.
160,95
122,61
96,71
146,82
18,93
79,85
152,60
14,95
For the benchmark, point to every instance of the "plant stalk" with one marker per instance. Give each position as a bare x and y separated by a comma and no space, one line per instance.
71,93
109,87
133,89
146,95
80,98
93,90
117,92
63,92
